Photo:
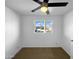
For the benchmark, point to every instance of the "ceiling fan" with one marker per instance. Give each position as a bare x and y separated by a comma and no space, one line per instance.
44,5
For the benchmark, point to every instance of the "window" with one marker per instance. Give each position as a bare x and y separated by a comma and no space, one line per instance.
43,26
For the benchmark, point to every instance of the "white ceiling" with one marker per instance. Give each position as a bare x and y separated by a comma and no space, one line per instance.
24,7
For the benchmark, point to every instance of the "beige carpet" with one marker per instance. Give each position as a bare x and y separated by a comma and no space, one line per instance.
41,53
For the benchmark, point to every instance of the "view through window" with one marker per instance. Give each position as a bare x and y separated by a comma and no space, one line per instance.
43,26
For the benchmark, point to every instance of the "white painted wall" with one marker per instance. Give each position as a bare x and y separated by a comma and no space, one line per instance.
68,25
31,39
12,40
67,36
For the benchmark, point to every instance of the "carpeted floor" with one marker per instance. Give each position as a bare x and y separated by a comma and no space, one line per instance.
41,53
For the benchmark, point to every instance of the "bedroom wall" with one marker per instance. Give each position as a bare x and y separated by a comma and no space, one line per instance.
31,39
12,39
67,35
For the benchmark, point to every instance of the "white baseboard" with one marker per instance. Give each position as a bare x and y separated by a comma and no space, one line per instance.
16,52
68,51
11,56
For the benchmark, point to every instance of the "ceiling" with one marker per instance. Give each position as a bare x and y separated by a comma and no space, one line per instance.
24,7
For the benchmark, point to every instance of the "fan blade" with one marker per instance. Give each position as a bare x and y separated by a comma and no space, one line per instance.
36,9
59,4
46,1
47,12
37,1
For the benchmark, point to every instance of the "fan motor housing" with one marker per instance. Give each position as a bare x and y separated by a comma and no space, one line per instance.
44,4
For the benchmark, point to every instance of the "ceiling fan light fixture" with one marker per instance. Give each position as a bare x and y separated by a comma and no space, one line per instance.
45,4
44,9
